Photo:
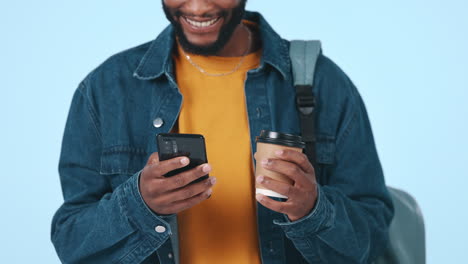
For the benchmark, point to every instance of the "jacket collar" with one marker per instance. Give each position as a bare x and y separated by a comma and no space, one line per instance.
158,60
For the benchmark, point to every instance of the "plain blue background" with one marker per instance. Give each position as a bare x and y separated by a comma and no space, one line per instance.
409,60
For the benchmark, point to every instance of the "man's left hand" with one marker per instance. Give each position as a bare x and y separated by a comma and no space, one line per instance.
302,193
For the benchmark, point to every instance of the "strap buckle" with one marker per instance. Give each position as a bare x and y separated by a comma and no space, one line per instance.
305,102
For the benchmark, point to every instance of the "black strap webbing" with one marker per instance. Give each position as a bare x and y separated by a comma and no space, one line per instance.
304,55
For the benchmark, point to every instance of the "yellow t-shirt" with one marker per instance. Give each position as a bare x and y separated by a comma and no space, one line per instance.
223,228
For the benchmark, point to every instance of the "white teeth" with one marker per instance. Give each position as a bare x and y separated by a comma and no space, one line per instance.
201,24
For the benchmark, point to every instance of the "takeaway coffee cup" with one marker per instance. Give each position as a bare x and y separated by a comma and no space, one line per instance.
267,144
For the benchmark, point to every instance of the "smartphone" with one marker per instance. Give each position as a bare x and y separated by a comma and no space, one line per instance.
171,145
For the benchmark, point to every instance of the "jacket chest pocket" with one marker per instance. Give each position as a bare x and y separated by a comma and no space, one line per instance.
119,163
325,149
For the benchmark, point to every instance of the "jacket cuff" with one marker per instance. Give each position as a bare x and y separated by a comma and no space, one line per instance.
141,215
322,217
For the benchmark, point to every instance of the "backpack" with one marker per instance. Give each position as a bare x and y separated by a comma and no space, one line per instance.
406,232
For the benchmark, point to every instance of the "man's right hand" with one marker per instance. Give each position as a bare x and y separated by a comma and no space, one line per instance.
172,195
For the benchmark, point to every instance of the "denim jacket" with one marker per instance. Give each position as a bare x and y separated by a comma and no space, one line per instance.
110,133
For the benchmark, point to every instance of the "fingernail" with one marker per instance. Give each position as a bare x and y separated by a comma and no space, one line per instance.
260,179
264,162
209,192
184,161
206,168
279,152
213,180
259,197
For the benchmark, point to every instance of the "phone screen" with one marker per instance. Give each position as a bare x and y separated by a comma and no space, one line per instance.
176,145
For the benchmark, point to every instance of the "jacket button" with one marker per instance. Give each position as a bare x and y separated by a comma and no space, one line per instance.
158,122
160,229
169,255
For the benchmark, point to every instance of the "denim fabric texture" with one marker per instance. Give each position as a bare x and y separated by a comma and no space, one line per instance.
109,136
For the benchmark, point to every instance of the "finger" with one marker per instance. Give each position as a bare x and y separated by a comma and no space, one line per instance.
190,202
296,157
280,207
286,168
285,189
186,192
186,177
163,167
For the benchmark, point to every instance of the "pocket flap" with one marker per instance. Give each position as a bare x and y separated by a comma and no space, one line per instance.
122,160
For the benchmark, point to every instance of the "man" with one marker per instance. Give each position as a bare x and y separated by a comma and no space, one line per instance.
224,73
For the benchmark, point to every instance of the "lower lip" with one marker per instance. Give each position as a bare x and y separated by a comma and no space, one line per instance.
193,29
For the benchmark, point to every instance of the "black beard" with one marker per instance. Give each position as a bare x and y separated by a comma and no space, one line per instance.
225,32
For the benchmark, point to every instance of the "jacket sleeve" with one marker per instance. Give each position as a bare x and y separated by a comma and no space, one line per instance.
96,224
350,221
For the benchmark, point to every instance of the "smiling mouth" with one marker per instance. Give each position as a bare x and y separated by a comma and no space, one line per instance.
201,24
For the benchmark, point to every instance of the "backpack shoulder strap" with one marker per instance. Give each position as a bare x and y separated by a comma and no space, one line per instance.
304,55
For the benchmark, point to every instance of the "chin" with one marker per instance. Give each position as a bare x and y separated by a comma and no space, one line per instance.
201,43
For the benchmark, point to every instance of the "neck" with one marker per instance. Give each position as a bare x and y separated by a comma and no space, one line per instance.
239,42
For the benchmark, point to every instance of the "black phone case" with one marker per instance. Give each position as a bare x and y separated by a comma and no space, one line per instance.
171,145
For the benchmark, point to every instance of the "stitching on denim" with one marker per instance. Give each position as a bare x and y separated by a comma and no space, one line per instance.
164,103
145,58
285,57
146,78
123,149
142,205
92,113
123,208
121,203
153,242
79,165
350,125
128,171
122,259
119,171
267,100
